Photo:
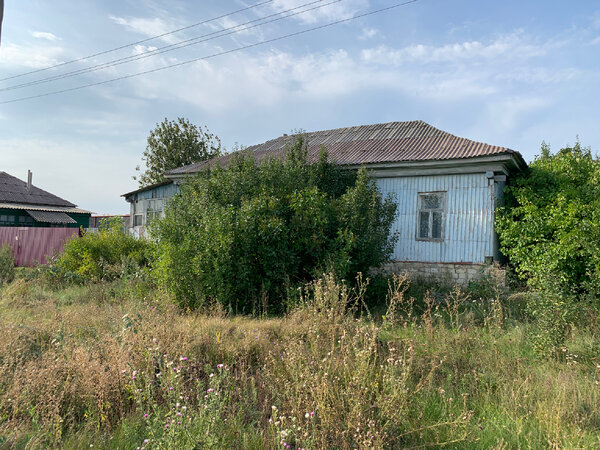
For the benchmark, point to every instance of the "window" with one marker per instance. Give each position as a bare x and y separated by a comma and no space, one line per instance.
430,226
138,220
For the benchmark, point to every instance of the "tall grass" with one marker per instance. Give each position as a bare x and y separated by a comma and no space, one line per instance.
114,366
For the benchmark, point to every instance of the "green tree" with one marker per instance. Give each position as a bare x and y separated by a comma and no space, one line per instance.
245,234
550,226
174,144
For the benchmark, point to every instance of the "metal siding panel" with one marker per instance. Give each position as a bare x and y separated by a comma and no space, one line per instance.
468,217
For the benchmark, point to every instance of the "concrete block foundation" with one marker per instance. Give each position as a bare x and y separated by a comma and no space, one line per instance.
447,273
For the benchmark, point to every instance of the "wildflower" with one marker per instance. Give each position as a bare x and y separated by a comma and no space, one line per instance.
167,426
209,390
146,416
220,366
133,375
183,358
211,375
307,415
170,388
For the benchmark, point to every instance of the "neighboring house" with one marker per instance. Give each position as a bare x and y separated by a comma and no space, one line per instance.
35,222
148,203
446,187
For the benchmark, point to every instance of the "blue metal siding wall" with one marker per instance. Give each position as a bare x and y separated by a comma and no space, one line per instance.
468,228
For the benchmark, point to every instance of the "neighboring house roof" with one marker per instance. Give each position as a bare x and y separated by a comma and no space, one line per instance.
29,207
50,216
370,144
147,188
13,190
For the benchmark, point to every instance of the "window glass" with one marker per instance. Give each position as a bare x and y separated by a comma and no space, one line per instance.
431,216
137,220
424,224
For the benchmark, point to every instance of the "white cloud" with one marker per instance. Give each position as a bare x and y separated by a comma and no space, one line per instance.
30,56
45,35
335,11
512,46
149,27
368,33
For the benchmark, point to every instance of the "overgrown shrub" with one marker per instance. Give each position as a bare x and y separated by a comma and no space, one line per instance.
246,234
105,255
550,226
7,264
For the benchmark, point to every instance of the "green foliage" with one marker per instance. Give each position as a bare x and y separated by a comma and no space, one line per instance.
7,264
550,226
105,255
553,318
174,144
246,234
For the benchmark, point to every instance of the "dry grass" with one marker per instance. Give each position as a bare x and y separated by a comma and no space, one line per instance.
116,366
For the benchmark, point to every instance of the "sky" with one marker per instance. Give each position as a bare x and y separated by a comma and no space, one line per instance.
510,73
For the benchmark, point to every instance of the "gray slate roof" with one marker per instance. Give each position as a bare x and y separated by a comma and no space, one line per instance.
13,190
370,144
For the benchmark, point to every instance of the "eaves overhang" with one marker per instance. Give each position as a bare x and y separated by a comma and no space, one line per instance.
505,164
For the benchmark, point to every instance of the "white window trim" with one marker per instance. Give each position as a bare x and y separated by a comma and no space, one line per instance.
420,196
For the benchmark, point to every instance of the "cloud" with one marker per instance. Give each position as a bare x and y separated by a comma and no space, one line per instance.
368,33
511,46
30,56
45,35
149,27
335,11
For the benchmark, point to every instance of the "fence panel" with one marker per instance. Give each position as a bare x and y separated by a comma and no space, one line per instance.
34,245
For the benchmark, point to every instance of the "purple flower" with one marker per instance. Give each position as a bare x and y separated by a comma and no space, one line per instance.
220,366
146,416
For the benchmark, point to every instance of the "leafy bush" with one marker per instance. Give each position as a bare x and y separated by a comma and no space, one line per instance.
7,264
107,254
550,226
246,234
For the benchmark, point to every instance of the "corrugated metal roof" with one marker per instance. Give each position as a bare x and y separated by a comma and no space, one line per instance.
26,206
147,188
50,216
13,190
369,144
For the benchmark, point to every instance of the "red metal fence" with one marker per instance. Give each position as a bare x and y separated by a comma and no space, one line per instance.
32,245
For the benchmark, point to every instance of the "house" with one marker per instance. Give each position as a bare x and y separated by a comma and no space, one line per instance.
447,189
35,222
148,203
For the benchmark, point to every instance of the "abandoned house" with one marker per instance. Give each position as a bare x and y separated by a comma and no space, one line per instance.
34,222
446,188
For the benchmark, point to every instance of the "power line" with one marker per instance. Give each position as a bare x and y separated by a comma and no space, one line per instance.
177,46
104,52
214,55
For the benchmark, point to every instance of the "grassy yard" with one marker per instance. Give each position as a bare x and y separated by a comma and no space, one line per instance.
115,365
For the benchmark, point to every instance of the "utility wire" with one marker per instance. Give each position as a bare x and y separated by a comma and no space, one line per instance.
83,58
214,55
182,44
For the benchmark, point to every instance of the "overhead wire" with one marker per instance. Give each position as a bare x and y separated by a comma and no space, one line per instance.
214,55
182,44
151,38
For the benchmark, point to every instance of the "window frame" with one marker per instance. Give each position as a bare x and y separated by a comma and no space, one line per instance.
442,210
141,220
